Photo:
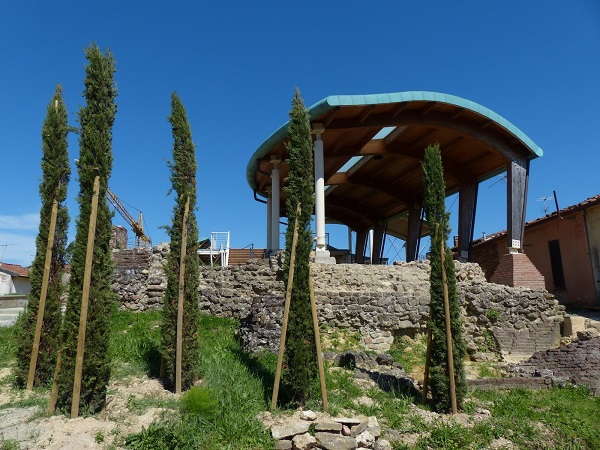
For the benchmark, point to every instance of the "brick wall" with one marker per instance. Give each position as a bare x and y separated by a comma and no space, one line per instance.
516,269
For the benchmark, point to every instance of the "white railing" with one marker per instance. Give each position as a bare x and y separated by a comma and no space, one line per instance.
219,248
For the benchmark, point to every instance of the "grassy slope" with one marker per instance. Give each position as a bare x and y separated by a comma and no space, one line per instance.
221,414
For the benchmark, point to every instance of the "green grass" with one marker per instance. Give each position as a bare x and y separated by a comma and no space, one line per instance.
222,413
410,352
8,347
134,343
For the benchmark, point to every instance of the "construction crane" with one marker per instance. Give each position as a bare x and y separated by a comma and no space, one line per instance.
141,240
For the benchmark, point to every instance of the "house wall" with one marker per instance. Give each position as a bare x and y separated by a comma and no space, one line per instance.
576,264
592,219
22,285
6,284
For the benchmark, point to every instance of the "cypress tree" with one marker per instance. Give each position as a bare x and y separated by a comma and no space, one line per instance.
435,213
300,352
183,179
55,178
95,145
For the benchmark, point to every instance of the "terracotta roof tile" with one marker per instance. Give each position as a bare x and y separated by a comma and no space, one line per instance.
587,203
14,270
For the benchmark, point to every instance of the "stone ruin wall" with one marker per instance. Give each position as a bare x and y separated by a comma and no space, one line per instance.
379,302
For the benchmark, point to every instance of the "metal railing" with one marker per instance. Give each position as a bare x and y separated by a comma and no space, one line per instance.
219,248
282,240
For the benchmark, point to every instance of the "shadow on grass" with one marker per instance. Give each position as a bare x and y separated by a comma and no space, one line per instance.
150,353
263,367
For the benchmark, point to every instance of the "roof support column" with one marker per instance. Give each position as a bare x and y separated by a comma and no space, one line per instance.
518,179
414,228
269,220
275,211
467,204
377,243
361,242
515,268
321,253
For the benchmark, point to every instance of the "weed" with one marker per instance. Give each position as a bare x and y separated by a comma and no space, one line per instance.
410,352
99,437
9,444
492,314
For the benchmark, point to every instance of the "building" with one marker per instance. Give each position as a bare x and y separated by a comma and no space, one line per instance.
14,279
564,247
368,154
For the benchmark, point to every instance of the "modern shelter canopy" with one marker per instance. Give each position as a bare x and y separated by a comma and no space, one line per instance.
373,147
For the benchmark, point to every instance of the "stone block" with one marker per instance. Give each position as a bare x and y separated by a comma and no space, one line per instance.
572,325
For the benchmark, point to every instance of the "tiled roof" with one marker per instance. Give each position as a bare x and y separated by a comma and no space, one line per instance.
587,203
14,270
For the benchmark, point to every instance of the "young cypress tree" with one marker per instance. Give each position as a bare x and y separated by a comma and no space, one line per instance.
435,213
95,146
55,178
300,350
183,179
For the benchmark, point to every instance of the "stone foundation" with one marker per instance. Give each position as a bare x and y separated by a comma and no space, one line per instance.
378,302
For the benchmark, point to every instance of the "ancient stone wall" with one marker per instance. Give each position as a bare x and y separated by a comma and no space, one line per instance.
379,302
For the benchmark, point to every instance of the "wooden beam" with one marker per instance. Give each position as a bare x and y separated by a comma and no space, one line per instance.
467,204
42,304
87,276
181,298
518,179
366,113
429,108
286,311
361,243
414,228
438,119
356,179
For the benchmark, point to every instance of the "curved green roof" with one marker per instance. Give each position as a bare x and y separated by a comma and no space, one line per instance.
335,101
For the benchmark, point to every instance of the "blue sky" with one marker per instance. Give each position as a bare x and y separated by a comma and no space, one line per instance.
235,66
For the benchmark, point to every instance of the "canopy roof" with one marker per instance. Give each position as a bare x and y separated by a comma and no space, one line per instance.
374,146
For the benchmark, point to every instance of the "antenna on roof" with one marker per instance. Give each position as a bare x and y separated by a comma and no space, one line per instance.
4,245
544,199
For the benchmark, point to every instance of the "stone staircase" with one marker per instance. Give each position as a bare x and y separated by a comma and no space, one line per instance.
10,308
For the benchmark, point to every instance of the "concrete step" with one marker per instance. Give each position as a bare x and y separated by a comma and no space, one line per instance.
18,302
8,316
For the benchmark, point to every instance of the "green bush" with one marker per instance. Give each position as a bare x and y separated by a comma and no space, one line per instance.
200,401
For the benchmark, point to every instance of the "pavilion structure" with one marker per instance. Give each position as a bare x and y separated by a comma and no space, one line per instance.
368,154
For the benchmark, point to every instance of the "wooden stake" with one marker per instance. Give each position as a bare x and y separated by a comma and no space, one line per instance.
427,364
286,311
87,276
448,331
43,294
178,355
313,307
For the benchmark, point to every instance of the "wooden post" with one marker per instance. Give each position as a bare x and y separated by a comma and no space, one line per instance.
313,307
286,311
448,329
427,364
85,300
43,294
178,356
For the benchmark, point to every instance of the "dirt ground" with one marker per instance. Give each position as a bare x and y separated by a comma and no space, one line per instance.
129,408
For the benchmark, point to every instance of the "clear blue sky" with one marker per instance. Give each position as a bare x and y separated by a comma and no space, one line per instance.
235,65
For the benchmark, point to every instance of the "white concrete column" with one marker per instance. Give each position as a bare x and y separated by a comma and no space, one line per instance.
269,220
275,208
319,191
371,245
